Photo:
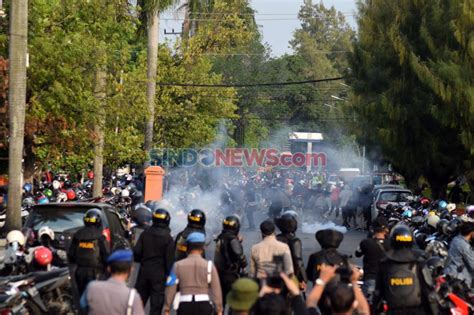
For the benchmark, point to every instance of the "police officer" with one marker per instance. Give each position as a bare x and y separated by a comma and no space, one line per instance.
198,282
155,253
196,223
229,256
399,281
89,250
288,224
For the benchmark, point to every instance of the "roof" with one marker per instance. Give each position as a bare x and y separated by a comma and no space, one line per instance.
305,136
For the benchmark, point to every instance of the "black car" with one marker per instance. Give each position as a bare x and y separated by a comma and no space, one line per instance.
66,218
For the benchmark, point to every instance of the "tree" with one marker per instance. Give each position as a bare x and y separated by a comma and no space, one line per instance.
16,101
408,86
152,9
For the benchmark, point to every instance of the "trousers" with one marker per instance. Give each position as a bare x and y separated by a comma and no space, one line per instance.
195,308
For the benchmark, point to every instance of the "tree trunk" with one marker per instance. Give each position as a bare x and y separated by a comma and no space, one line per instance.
99,91
152,61
29,163
16,101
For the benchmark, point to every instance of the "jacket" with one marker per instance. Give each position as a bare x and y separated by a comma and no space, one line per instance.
461,265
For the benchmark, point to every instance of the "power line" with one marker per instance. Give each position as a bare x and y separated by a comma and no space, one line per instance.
248,84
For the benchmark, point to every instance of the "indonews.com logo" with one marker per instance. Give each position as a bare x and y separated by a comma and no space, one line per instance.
236,157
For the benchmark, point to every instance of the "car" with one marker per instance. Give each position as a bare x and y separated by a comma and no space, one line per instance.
377,188
384,197
65,219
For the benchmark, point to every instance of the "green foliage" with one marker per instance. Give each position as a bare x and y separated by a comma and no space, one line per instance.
413,84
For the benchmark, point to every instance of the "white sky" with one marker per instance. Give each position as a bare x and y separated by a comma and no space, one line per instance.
277,20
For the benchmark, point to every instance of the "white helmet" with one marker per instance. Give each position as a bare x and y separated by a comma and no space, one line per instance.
451,207
433,220
56,184
62,197
44,230
125,193
16,236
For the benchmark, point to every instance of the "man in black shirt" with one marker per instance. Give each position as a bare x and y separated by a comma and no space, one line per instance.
373,249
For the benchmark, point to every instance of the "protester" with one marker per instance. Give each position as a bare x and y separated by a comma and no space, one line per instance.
155,253
264,254
346,210
373,249
242,296
461,254
194,278
89,250
113,296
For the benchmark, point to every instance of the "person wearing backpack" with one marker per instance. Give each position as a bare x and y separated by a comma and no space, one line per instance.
193,285
229,257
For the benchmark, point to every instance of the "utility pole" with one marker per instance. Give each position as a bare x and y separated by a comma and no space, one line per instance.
17,51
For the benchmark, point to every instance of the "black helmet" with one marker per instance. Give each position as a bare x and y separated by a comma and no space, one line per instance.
435,265
442,226
197,217
401,237
287,223
161,216
92,218
231,223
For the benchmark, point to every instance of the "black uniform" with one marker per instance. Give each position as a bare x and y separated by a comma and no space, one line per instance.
180,243
229,260
400,284
373,251
89,251
296,249
155,253
329,255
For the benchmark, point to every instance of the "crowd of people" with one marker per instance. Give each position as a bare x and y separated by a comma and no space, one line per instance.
176,275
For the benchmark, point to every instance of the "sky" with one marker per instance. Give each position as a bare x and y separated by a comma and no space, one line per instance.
277,20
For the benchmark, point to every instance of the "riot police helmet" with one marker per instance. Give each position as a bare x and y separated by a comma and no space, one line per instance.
287,223
231,223
401,237
161,217
92,217
197,217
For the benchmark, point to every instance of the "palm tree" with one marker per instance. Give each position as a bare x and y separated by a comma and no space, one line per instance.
150,18
16,101
195,10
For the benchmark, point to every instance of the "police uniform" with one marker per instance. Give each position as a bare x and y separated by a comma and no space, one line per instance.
229,259
198,282
400,282
181,248
112,296
89,250
155,253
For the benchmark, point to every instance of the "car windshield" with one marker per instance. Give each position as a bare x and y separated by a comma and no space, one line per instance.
394,196
58,219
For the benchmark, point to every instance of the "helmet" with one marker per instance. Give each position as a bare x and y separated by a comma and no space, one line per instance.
470,211
451,207
442,226
16,236
197,217
161,216
437,248
90,175
125,193
43,256
401,237
442,205
42,200
425,202
92,217
28,202
432,220
62,197
27,187
231,223
71,194
48,193
56,184
435,265
46,231
287,223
